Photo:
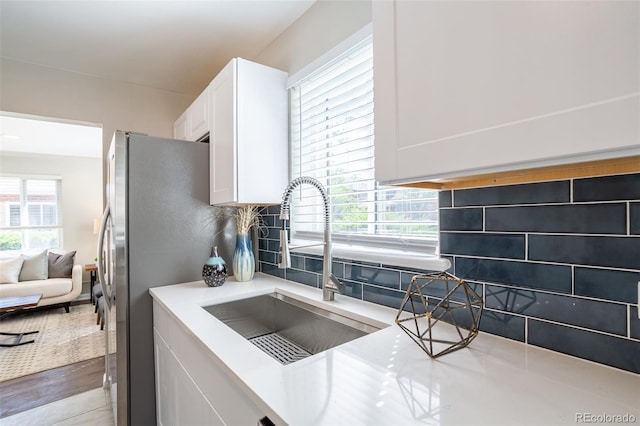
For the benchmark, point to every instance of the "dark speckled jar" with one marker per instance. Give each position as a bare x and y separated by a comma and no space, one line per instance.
214,272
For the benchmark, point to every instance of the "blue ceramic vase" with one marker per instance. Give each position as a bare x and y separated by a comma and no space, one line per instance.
244,263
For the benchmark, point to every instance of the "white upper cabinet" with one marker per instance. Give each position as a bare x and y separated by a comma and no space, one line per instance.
180,127
194,123
248,136
199,116
463,88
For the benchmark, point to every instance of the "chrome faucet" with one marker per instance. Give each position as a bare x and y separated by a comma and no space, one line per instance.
330,284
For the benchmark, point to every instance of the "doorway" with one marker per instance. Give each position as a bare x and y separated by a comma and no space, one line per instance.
51,192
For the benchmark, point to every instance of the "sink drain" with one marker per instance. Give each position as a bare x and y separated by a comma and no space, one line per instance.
279,348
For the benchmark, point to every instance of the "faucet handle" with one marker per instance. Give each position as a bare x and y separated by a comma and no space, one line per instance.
284,255
335,285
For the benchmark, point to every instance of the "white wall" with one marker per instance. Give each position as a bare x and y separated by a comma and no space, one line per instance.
322,27
48,92
32,89
35,90
81,195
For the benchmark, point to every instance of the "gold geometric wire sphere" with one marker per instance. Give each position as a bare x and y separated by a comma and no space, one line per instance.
440,312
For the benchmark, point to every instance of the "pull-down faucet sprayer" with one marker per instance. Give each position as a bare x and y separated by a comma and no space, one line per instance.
330,284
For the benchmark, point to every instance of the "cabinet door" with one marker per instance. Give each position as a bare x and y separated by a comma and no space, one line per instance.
225,397
222,137
181,127
178,399
192,408
261,133
166,370
248,132
473,87
199,116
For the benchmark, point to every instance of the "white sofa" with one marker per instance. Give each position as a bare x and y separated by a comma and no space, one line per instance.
55,291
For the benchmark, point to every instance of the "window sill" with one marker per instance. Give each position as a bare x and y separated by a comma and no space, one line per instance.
406,259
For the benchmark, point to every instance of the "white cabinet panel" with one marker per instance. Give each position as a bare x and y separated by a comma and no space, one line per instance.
165,382
248,138
190,388
199,116
472,87
194,123
244,110
179,400
191,406
222,153
180,127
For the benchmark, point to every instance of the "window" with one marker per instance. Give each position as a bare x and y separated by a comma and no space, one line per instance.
331,137
30,213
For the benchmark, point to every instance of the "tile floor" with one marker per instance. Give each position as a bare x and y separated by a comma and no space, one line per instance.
88,408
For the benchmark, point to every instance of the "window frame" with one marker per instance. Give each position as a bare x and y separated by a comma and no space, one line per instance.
388,249
24,212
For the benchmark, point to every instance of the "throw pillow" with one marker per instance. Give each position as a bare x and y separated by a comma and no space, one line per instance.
34,267
10,270
60,265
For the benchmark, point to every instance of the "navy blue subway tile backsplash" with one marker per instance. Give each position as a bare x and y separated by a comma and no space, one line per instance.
470,219
635,323
557,263
593,314
566,218
634,218
516,274
510,246
533,193
607,284
614,252
601,348
607,188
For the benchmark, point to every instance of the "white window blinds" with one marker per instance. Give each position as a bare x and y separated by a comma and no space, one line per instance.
331,118
30,213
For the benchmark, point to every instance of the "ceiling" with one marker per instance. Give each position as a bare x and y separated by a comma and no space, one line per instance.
176,45
32,135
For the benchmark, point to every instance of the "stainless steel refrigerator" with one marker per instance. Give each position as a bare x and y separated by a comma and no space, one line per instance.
157,230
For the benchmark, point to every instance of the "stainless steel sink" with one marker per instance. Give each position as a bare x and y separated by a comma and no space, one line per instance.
286,328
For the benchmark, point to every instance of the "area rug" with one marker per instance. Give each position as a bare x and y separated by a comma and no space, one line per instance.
63,338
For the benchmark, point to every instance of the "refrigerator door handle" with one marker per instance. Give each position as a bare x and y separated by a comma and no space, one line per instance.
106,379
106,291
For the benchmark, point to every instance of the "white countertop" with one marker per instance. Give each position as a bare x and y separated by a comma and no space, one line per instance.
385,378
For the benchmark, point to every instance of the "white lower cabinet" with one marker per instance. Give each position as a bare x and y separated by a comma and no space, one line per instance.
180,401
190,388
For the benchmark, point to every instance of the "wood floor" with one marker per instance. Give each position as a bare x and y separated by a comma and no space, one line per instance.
23,393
